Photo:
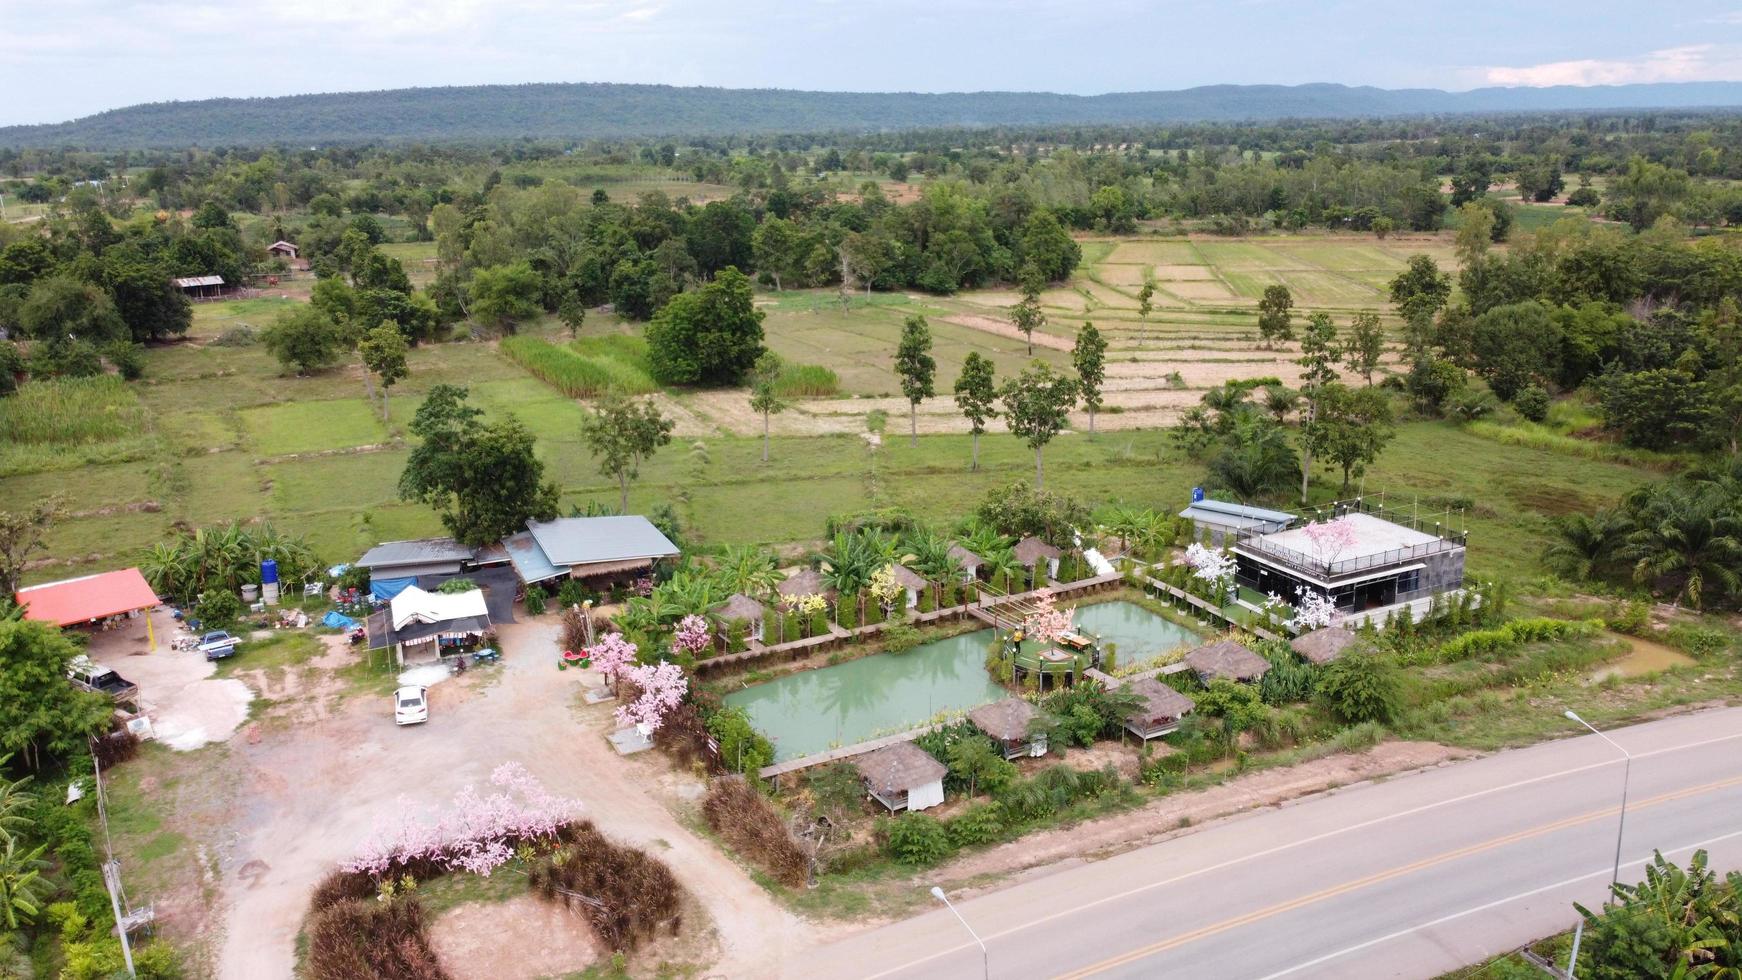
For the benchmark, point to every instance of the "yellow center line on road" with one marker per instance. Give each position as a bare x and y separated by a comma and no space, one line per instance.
1381,876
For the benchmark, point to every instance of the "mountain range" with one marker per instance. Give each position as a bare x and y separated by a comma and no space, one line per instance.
608,110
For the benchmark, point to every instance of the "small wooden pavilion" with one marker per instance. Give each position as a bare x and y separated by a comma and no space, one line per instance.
1032,552
967,561
902,777
913,582
806,581
1228,661
740,608
1160,710
1007,723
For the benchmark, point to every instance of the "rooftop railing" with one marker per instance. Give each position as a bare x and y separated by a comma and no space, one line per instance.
1331,567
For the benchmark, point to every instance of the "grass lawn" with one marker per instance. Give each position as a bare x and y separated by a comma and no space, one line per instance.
312,426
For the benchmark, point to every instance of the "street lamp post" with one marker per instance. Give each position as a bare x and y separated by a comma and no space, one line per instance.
1626,776
985,957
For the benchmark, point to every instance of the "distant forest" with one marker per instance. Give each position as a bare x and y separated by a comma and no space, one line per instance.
612,111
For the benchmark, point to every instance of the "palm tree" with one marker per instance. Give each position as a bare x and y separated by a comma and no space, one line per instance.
1155,532
1256,459
1125,522
1686,540
1586,545
1280,401
1001,566
929,555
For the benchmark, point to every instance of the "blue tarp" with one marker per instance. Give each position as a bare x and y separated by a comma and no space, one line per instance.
387,588
338,621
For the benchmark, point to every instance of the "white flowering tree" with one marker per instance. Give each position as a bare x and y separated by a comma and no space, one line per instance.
1214,568
886,589
478,834
1313,610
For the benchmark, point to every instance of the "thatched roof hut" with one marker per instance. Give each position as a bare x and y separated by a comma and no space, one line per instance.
1226,660
1324,645
902,776
966,560
910,579
740,608
1004,721
1032,549
808,581
1160,710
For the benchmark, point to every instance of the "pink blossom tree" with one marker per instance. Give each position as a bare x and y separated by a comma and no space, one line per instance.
1328,539
478,834
1048,622
662,687
692,635
612,655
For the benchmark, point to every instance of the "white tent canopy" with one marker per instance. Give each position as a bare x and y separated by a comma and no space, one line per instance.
414,605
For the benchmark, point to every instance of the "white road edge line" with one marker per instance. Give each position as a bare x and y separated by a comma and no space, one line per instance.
1316,838
1490,905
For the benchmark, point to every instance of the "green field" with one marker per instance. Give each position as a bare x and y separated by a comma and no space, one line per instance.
217,432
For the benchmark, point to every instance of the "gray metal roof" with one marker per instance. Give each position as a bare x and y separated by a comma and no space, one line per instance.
420,552
529,560
1238,516
585,540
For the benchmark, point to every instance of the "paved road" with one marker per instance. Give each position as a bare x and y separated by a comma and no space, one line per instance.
1408,877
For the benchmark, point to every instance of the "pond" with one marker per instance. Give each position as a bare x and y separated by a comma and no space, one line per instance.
1643,657
815,710
1140,635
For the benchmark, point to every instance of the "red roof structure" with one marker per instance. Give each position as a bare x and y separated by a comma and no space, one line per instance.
80,600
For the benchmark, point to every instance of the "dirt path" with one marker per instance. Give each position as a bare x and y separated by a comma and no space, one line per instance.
1170,814
306,796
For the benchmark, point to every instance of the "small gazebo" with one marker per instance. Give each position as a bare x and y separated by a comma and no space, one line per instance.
1007,722
967,561
807,581
740,608
1032,552
1228,661
1159,710
902,777
1321,646
913,582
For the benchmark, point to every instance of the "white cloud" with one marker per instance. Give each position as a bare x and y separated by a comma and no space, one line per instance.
1688,63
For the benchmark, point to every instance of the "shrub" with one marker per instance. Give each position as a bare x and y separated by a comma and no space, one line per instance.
535,605
900,638
1697,640
742,747
366,938
747,821
129,360
1632,618
1289,678
1531,402
1482,643
916,839
981,824
218,609
1361,687
237,336
847,612
630,893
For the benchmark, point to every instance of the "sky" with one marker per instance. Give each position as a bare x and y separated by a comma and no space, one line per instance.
60,59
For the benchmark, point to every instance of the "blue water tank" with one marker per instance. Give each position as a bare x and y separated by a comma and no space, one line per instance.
1197,495
269,571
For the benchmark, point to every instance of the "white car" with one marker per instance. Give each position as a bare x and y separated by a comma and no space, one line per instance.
411,705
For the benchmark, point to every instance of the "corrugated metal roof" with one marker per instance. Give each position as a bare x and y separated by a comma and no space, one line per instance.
1224,508
79,600
529,560
585,540
420,552
190,282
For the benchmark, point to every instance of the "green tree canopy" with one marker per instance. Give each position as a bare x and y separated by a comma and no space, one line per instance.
61,307
483,477
916,368
1275,315
1037,407
41,715
1089,357
305,340
977,396
621,433
710,336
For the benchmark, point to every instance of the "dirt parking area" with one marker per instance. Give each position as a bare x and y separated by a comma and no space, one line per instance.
187,705
305,789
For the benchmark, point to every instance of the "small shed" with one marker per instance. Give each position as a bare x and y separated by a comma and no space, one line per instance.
1324,645
1220,523
418,625
200,287
394,565
1228,661
740,608
90,599
967,561
806,581
902,777
1007,723
1031,551
1160,708
282,249
913,582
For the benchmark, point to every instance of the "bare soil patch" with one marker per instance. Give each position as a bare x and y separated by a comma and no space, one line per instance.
522,938
1004,328
1184,273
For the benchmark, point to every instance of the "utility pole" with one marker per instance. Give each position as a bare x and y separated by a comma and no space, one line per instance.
112,871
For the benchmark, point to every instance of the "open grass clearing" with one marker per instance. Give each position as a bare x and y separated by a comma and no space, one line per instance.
312,426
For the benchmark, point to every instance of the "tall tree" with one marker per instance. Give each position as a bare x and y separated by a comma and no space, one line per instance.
483,477
1318,359
709,336
506,295
764,396
1146,297
383,350
1420,290
1276,315
1037,406
304,340
1089,357
976,396
916,368
1027,314
621,433
21,535
1351,427
1365,346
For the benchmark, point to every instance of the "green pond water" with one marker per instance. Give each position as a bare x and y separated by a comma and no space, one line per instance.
814,710
1140,635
